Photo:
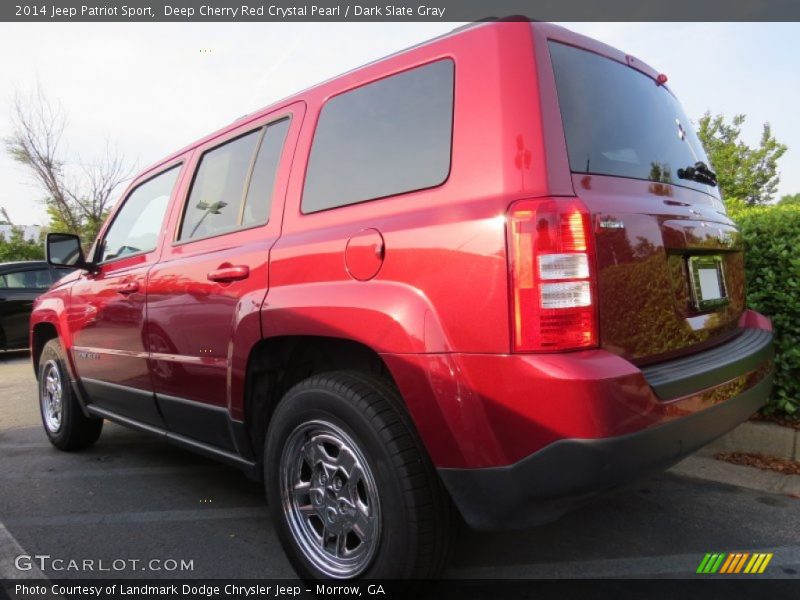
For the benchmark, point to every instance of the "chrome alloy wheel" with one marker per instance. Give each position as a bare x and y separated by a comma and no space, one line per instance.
51,394
330,499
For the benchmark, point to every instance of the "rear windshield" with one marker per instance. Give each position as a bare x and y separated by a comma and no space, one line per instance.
619,122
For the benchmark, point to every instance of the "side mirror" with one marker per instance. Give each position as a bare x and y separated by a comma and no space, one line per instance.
64,249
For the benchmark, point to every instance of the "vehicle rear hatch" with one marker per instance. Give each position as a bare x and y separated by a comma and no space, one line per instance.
669,261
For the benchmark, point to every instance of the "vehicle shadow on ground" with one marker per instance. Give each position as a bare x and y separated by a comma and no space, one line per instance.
665,515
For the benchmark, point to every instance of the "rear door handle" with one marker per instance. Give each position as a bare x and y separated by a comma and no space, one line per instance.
127,288
228,273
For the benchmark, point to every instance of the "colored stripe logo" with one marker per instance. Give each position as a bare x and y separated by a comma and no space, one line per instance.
735,562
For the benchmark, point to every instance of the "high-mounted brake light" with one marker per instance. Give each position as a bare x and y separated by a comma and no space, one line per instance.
552,281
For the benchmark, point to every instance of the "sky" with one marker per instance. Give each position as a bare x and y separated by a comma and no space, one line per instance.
150,89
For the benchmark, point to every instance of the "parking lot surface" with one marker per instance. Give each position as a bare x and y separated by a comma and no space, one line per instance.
137,499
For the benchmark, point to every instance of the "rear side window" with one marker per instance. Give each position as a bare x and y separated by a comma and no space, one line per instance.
234,182
137,224
33,279
618,122
385,138
216,195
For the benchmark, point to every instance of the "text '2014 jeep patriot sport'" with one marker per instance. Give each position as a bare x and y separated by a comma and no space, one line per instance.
491,271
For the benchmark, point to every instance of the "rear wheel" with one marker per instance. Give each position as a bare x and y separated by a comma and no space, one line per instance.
65,424
350,488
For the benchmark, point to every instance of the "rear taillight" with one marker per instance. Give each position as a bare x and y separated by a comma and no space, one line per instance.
552,275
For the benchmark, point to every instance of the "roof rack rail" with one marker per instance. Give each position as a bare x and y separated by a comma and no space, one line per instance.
508,18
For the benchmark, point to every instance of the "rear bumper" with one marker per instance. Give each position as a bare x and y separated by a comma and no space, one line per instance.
544,485
476,411
601,433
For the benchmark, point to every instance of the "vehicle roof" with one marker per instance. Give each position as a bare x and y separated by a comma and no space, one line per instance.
548,29
297,96
23,263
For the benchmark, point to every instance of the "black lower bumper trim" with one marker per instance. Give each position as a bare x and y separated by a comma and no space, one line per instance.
683,376
544,485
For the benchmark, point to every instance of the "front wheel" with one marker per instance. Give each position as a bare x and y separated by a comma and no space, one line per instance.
350,488
65,424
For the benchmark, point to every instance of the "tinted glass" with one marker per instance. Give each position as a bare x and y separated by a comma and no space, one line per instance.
385,138
137,224
216,197
259,194
37,279
63,249
617,121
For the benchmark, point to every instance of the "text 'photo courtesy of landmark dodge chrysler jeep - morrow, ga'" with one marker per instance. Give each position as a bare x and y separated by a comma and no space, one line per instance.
488,276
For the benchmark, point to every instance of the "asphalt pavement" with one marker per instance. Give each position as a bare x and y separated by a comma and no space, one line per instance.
152,507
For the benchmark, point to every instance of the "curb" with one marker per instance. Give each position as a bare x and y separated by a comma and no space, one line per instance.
710,469
751,437
758,437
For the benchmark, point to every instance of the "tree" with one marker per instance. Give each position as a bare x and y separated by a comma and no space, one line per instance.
793,199
6,219
78,194
748,174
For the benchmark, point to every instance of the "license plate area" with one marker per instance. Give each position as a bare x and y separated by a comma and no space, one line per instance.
707,275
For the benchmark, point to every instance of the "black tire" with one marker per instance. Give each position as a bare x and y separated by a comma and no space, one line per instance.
73,429
414,514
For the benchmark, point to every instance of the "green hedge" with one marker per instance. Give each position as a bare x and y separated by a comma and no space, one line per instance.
772,267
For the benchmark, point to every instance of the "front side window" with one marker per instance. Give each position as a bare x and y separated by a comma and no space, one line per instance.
137,224
32,279
61,272
234,183
388,137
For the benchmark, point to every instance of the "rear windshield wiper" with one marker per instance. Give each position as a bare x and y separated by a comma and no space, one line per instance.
700,173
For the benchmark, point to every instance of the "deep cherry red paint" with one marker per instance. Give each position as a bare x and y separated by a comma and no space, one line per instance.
435,300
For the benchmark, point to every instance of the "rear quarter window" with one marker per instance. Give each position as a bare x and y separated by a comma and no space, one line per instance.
29,279
385,138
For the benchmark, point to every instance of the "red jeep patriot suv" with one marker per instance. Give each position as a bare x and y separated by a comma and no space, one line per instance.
491,271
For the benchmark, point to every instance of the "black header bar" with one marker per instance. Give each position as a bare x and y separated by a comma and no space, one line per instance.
150,11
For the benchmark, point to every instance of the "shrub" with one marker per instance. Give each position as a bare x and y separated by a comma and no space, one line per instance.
772,267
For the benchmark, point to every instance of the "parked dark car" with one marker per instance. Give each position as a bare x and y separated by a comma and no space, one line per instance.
20,284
